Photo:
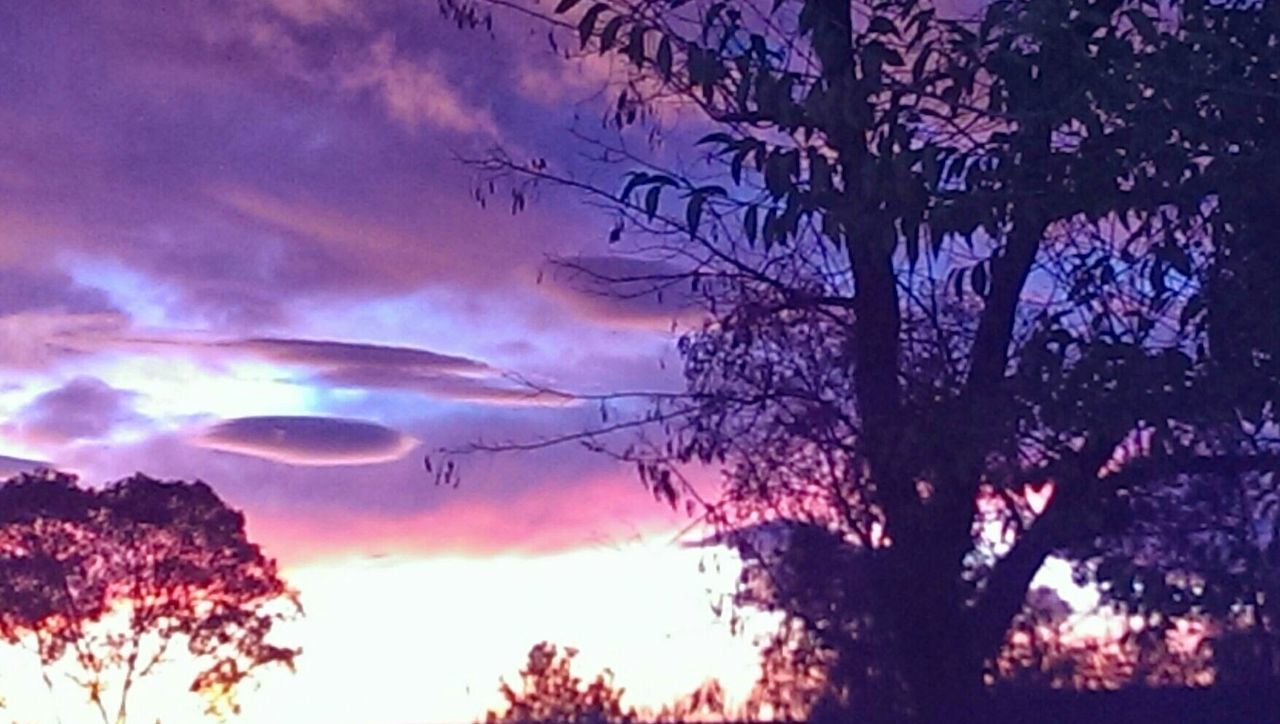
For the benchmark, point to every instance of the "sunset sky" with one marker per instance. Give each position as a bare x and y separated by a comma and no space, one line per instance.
217,216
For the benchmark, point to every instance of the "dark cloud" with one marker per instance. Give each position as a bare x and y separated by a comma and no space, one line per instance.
245,155
27,290
342,355
625,291
308,440
85,408
45,316
412,369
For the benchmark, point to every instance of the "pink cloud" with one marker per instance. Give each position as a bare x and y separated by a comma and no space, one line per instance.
415,93
570,514
40,339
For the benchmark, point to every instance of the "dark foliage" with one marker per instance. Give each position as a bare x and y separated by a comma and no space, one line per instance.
108,583
946,262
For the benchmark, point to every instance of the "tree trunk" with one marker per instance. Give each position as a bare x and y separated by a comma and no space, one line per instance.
932,630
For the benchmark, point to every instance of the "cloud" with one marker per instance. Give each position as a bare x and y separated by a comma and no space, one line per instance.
596,511
414,93
335,354
26,290
356,365
85,408
626,291
315,12
451,387
307,440
374,366
45,316
248,157
40,339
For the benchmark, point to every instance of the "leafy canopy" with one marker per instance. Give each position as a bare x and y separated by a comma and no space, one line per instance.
109,584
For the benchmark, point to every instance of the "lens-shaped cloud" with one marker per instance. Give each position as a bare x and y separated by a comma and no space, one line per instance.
308,440
329,354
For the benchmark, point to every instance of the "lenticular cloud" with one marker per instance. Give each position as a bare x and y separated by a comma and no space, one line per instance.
308,440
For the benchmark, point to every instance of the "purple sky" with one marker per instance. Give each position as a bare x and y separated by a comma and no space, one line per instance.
214,210
235,244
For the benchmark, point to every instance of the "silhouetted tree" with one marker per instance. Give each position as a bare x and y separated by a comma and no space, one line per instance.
945,262
551,692
108,584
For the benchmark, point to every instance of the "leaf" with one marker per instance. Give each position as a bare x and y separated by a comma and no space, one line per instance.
769,232
718,137
819,172
779,170
880,25
922,63
749,224
609,35
735,166
710,17
587,24
565,6
1179,260
638,178
1143,24
664,57
693,212
635,46
979,279
651,201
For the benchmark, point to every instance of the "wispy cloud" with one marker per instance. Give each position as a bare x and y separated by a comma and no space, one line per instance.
414,92
41,339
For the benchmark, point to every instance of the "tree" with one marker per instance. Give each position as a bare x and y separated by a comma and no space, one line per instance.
106,585
946,261
550,692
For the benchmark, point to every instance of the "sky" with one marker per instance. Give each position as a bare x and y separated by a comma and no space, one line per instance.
237,244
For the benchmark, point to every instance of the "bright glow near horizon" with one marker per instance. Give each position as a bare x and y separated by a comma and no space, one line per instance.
425,639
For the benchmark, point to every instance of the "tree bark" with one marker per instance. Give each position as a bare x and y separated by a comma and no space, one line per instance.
933,636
